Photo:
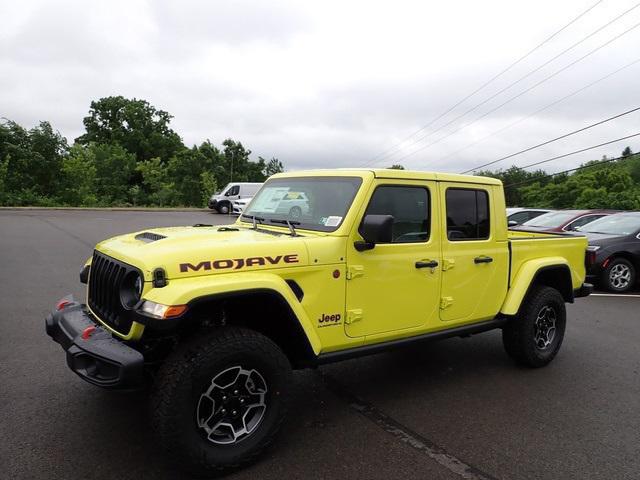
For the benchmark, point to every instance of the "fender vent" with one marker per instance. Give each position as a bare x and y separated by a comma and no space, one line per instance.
149,237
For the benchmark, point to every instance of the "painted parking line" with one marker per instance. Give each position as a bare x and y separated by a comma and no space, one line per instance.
404,434
632,295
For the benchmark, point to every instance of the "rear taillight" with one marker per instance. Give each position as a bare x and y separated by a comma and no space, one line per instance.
590,257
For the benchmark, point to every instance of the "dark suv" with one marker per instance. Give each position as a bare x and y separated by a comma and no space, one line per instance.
613,255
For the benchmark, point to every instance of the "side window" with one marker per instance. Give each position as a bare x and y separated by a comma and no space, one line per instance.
467,214
519,217
233,191
410,208
582,221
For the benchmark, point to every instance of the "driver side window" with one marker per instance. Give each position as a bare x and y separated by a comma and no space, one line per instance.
410,208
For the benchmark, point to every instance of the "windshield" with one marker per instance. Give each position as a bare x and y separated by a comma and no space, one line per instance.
614,225
313,203
553,219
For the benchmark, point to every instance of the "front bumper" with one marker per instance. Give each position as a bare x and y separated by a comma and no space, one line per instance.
213,203
99,359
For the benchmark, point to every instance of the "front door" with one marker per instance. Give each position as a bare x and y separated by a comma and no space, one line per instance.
395,286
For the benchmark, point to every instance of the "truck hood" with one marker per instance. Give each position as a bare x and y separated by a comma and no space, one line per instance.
192,251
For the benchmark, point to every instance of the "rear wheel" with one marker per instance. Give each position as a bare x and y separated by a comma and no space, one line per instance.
220,400
535,335
619,276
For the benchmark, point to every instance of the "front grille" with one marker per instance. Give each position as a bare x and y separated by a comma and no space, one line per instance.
105,277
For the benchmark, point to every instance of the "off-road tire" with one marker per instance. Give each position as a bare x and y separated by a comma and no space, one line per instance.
189,371
519,334
618,263
223,208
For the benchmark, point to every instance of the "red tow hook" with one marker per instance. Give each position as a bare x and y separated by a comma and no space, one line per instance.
62,303
86,333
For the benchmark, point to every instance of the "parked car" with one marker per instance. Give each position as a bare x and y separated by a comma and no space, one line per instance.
518,215
240,205
613,255
282,201
223,201
563,220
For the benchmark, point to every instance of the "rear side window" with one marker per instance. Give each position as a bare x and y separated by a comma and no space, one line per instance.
467,214
409,207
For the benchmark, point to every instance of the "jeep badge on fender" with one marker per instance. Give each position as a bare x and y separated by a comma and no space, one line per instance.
217,317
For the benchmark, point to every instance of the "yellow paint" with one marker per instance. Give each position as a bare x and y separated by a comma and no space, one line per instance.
379,294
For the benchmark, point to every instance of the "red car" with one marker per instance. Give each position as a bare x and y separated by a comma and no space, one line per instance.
562,220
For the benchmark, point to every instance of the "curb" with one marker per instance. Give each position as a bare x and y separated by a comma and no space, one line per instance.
113,209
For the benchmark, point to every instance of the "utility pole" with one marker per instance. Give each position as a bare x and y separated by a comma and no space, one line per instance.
231,179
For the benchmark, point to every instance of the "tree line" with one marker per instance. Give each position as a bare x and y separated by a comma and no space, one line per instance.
614,184
128,156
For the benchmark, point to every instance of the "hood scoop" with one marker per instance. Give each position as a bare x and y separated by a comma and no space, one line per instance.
149,237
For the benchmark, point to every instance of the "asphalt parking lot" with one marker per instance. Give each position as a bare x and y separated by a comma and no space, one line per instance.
450,410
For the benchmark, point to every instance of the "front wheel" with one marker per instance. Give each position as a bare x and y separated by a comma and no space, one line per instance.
219,401
619,276
224,208
534,336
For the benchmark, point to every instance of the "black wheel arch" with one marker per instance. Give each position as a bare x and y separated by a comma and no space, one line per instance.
554,276
263,310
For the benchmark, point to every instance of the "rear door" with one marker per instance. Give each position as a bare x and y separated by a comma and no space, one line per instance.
474,264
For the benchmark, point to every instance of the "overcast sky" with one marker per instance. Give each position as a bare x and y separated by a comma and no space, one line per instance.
332,83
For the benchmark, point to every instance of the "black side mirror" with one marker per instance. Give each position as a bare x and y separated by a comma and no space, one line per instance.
512,223
375,229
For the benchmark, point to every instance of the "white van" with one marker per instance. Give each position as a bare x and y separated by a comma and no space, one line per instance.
222,202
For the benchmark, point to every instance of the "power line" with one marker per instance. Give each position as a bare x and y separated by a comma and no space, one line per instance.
491,80
581,167
579,151
552,104
547,78
553,140
527,75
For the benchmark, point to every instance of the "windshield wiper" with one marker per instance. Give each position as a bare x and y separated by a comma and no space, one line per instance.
288,223
253,220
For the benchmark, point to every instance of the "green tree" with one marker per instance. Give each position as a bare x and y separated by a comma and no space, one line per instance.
78,179
33,159
114,171
134,124
273,166
157,189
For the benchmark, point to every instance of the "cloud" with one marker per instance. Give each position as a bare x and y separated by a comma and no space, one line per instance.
327,83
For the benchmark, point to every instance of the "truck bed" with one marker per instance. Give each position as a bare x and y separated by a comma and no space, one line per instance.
525,246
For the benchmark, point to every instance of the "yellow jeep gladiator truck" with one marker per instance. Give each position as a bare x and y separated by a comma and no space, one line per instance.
322,266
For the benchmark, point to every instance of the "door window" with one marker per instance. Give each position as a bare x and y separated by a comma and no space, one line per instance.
410,209
233,191
467,214
581,222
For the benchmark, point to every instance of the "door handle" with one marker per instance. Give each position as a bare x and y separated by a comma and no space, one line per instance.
482,260
429,264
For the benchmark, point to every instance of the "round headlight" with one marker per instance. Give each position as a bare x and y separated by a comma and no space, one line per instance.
131,289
